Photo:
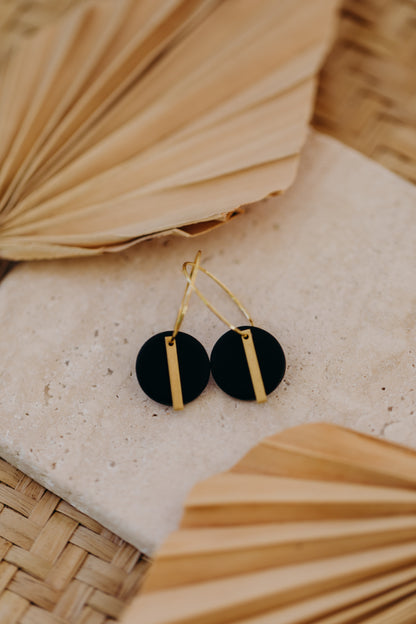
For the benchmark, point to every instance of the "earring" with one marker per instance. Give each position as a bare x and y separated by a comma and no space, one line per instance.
173,367
247,362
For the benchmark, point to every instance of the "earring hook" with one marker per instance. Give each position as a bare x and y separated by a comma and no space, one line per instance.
190,278
186,296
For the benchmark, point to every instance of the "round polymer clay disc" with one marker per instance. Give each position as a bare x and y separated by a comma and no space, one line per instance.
152,367
230,369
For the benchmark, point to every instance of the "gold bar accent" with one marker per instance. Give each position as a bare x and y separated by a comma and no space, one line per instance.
254,368
174,376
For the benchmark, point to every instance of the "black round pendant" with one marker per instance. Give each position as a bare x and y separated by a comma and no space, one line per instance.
152,367
229,363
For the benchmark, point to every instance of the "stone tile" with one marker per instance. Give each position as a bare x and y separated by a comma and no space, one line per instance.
329,269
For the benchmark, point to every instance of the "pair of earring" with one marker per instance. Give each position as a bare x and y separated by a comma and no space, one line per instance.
247,362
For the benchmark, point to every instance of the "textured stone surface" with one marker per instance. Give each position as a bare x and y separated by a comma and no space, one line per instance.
329,269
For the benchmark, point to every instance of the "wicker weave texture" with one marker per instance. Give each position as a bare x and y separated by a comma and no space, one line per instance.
57,565
367,91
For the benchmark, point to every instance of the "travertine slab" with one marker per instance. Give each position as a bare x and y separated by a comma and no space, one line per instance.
329,269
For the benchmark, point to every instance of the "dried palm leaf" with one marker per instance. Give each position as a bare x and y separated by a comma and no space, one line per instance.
127,120
315,524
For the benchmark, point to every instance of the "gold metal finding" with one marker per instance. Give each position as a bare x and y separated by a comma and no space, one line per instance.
246,334
190,277
185,299
254,368
170,342
174,374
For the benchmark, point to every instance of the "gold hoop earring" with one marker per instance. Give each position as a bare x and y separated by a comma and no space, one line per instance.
172,367
247,362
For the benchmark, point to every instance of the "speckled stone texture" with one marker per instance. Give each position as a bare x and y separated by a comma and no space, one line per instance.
329,269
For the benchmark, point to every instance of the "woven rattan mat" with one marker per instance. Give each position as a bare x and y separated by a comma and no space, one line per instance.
58,565
367,91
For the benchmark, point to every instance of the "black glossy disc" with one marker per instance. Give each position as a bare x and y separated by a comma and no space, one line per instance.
229,363
152,367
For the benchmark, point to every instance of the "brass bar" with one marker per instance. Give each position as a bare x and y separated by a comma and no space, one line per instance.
254,368
174,375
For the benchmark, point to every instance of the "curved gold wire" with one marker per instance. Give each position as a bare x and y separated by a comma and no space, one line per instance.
191,283
186,296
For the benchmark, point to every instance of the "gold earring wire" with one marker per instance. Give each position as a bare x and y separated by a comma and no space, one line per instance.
186,296
190,277
246,335
170,342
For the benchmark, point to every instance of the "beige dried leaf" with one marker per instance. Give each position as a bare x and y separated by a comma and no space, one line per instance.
315,524
127,120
